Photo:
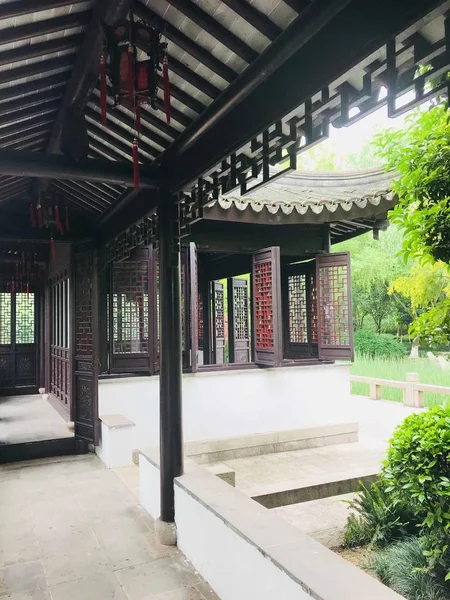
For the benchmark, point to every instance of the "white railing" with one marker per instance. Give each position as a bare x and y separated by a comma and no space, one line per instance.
412,389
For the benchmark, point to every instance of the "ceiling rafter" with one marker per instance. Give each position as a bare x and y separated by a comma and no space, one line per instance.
40,28
93,191
33,87
14,194
187,44
102,152
25,7
255,17
75,199
107,191
105,141
27,136
128,121
209,24
37,99
148,117
117,134
61,62
9,57
20,115
298,5
20,128
73,187
185,98
176,114
193,78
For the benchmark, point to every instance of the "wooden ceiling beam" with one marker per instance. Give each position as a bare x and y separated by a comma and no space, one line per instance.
62,62
25,7
19,115
100,150
209,24
40,133
26,126
35,164
116,135
38,99
94,113
184,98
76,200
298,5
41,28
69,42
187,44
104,138
176,114
81,194
193,78
95,192
255,17
33,87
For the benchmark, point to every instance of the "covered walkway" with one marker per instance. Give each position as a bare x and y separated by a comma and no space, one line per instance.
71,529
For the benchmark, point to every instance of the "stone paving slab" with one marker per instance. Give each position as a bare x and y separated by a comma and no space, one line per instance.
71,529
30,419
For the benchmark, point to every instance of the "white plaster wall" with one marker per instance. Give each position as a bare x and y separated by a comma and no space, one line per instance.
225,404
149,487
235,568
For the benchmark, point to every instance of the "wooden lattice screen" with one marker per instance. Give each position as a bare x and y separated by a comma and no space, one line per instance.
335,330
238,320
300,310
218,319
267,307
60,357
133,302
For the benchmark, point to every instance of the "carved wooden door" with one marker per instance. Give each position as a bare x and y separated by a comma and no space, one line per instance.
238,320
218,319
18,347
334,306
85,345
267,328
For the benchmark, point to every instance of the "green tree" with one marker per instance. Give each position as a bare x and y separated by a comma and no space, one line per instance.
420,155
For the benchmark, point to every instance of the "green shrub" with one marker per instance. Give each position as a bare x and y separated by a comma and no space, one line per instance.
377,519
417,470
371,344
403,567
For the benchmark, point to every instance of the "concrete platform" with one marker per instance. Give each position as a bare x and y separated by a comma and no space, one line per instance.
71,529
30,419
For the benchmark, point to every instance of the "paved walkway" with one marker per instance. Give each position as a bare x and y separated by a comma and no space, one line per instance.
70,529
30,419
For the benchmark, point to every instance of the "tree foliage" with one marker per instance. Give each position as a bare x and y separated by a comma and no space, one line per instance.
420,155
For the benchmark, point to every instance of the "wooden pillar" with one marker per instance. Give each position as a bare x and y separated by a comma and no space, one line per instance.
171,435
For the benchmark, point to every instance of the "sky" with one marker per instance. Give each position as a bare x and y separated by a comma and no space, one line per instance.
351,139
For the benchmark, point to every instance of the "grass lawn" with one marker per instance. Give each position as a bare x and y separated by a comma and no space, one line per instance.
396,370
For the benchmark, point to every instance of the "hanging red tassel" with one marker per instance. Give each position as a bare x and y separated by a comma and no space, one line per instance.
58,223
166,87
103,88
67,220
136,163
138,119
52,248
130,74
40,218
33,216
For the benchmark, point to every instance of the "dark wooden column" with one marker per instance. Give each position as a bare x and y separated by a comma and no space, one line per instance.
171,433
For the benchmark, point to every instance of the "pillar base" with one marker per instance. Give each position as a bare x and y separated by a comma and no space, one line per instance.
166,533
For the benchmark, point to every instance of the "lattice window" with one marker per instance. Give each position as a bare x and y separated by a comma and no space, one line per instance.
298,313
5,318
130,307
313,309
240,313
83,305
219,313
200,320
24,318
333,285
264,336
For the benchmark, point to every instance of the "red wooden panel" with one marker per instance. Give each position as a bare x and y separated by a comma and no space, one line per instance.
334,307
267,307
